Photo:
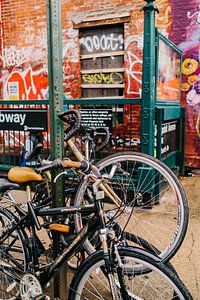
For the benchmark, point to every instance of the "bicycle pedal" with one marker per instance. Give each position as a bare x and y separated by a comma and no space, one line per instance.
59,227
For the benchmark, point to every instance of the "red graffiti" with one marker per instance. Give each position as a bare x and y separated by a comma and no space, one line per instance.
29,85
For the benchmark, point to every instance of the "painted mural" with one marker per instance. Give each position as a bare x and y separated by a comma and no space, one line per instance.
187,37
21,78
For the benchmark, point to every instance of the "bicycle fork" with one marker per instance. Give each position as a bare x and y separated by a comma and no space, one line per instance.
118,292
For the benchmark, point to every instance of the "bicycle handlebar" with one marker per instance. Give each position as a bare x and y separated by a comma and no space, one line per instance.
73,118
106,140
92,132
83,165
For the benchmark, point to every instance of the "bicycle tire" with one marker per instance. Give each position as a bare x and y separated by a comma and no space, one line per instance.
13,256
128,240
91,280
154,201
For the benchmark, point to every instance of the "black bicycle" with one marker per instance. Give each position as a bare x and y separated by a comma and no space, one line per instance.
113,272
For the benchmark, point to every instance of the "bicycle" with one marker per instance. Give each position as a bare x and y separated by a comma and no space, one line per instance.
141,193
148,190
23,275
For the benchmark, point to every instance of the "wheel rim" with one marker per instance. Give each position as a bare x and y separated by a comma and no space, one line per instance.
161,219
12,261
154,285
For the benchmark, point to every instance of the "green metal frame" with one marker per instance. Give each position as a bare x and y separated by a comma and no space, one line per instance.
174,159
55,77
148,79
153,111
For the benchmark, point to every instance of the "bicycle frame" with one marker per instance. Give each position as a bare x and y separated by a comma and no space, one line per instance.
31,216
103,186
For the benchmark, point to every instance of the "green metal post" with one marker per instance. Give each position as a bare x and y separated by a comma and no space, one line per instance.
148,79
159,119
54,31
55,76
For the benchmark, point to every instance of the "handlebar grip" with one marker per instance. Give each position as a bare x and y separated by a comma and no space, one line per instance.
55,164
73,119
71,164
106,139
83,165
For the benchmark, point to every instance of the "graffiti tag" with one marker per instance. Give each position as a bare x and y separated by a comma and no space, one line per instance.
103,42
111,78
13,57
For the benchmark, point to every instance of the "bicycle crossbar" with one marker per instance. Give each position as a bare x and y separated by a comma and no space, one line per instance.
90,208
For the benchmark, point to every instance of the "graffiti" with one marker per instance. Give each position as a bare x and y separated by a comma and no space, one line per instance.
13,56
193,100
70,45
111,78
103,42
71,76
194,15
193,96
164,20
32,85
134,73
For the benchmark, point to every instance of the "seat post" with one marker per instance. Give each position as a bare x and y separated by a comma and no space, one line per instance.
28,193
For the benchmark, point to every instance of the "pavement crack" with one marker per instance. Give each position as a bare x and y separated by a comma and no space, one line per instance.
192,263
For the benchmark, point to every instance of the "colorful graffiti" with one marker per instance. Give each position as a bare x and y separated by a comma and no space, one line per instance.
19,79
102,78
195,15
13,57
164,18
133,68
187,37
26,85
104,42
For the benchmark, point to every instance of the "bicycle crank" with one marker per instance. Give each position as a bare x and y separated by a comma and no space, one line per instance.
30,288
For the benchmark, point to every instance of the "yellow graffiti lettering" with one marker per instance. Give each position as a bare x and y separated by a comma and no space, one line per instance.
87,78
100,78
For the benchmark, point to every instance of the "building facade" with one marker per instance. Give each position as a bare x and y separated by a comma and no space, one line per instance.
102,52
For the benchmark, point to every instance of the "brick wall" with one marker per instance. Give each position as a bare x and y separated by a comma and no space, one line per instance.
23,47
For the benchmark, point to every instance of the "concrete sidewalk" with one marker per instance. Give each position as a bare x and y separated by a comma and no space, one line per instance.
187,259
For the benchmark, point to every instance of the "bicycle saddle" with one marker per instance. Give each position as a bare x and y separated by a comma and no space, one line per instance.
23,175
5,185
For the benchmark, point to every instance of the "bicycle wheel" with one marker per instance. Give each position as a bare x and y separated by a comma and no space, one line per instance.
150,201
13,256
91,282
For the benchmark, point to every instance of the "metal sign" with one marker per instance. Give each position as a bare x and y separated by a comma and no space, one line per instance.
23,119
168,138
96,117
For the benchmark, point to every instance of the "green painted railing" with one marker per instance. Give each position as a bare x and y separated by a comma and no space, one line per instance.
124,126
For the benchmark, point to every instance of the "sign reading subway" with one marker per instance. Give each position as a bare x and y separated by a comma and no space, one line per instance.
23,119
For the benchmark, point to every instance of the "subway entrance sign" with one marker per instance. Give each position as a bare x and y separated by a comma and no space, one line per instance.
23,119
